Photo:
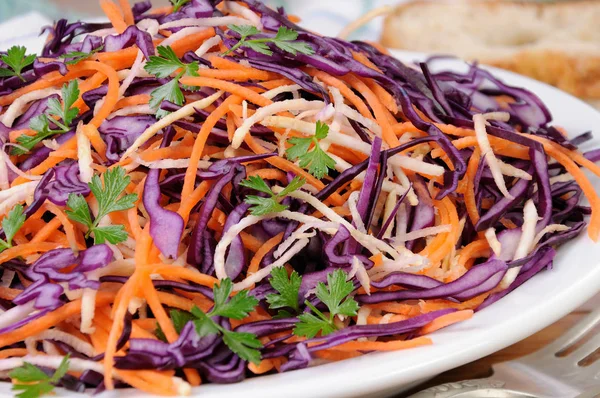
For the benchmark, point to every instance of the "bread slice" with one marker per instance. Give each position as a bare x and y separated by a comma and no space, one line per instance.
555,42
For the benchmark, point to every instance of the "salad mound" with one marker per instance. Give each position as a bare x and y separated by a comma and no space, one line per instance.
207,192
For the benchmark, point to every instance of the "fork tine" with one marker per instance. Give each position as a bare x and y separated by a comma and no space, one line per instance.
586,349
572,335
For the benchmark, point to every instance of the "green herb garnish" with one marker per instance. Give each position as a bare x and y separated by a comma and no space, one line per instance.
245,345
316,160
179,318
335,296
285,39
177,4
32,382
270,204
16,60
11,224
163,66
75,57
109,200
61,115
288,288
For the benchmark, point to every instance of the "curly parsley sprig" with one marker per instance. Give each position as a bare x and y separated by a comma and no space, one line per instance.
271,203
335,295
109,200
16,60
285,39
59,115
316,160
245,345
163,66
32,382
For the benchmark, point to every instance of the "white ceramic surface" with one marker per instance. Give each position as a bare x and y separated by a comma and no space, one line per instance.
541,301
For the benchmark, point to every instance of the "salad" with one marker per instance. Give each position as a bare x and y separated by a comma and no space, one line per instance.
208,192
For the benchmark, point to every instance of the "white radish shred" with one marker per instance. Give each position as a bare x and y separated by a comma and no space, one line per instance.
512,171
15,314
143,109
235,8
530,219
84,155
266,271
207,45
423,233
347,141
58,335
358,269
17,108
17,194
547,230
490,235
390,203
281,89
356,218
168,120
486,149
206,22
266,111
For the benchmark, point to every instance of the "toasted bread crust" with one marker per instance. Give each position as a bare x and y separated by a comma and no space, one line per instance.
563,65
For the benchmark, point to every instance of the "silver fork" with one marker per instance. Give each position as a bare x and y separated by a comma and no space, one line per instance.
555,371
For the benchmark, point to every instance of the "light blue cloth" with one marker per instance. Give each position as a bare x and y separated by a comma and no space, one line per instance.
13,8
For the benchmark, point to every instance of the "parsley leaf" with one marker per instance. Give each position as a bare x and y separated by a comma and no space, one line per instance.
163,66
285,39
65,112
167,63
335,296
269,204
75,57
168,92
179,318
287,287
62,117
109,200
177,4
34,382
317,161
11,224
111,233
245,345
16,60
310,326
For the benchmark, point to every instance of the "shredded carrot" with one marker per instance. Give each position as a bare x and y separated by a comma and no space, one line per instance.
383,345
113,13
446,320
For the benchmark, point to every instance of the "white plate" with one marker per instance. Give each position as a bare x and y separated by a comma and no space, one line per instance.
541,301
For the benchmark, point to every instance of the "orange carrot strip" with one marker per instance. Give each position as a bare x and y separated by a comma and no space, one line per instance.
446,320
262,252
354,99
378,109
51,319
211,121
383,345
114,15
469,195
26,249
127,12
13,352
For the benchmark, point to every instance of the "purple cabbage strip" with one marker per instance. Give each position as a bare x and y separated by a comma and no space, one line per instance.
132,35
47,268
120,133
226,171
166,226
465,287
